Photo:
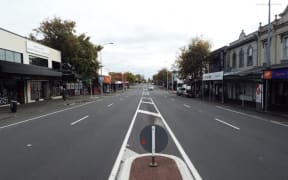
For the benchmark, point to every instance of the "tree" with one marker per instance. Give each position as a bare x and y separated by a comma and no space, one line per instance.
161,77
130,77
76,50
192,58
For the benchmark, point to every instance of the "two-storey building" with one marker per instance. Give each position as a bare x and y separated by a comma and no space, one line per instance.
29,71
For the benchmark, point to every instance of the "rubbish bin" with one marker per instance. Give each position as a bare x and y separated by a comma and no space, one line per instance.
13,106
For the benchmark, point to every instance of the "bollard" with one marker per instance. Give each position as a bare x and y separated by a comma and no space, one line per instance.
13,106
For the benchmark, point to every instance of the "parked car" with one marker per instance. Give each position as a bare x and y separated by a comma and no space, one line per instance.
180,91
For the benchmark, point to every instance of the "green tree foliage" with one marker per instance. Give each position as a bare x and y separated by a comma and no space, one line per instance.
130,77
75,49
192,58
161,77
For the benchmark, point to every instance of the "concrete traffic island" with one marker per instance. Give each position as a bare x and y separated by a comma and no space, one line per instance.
169,168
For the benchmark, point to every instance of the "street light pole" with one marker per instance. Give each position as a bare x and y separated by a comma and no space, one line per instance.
101,66
268,55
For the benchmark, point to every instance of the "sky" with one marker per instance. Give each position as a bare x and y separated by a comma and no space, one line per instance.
146,34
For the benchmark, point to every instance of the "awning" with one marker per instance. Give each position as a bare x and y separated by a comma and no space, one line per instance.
25,69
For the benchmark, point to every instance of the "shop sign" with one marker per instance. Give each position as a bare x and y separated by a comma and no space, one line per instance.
38,49
259,93
276,74
213,76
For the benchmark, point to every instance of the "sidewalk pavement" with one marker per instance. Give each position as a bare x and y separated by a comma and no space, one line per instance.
25,111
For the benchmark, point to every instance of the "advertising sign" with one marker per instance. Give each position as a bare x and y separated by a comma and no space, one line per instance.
36,48
213,76
276,74
259,93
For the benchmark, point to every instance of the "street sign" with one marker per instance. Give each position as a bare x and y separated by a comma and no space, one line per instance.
160,139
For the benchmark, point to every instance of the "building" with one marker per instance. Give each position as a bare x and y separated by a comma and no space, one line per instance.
242,71
29,71
213,80
275,75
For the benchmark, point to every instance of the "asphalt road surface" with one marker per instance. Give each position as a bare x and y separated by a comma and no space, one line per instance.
83,142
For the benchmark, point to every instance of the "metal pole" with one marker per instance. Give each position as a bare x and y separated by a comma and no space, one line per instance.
172,79
90,88
268,55
167,80
101,80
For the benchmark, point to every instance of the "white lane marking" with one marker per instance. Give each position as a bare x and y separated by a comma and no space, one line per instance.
219,120
191,167
145,102
49,114
28,145
148,113
75,122
110,105
187,106
117,162
98,100
244,114
279,123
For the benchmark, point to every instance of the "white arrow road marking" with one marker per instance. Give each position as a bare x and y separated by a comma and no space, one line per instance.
110,105
187,106
75,122
227,124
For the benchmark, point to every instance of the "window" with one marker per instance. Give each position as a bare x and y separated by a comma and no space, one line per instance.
234,60
241,58
11,56
2,55
285,47
38,61
250,56
56,65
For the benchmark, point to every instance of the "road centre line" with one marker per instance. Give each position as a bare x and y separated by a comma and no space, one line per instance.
49,114
148,113
75,122
117,162
219,120
190,165
187,106
110,105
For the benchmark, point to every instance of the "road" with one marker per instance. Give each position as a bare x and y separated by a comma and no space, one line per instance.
85,141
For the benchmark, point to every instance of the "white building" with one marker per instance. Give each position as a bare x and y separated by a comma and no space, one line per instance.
29,71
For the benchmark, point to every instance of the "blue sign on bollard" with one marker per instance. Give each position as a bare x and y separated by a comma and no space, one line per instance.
161,138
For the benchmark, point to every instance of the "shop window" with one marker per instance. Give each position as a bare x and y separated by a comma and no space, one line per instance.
234,60
38,61
241,58
250,56
285,48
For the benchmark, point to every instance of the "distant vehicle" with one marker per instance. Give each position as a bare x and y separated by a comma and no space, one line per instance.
151,88
179,86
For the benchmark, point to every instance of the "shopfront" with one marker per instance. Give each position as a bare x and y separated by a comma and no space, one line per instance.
278,88
213,86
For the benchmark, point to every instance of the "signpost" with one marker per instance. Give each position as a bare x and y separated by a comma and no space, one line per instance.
153,139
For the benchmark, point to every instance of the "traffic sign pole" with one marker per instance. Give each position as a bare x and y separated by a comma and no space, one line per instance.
153,163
